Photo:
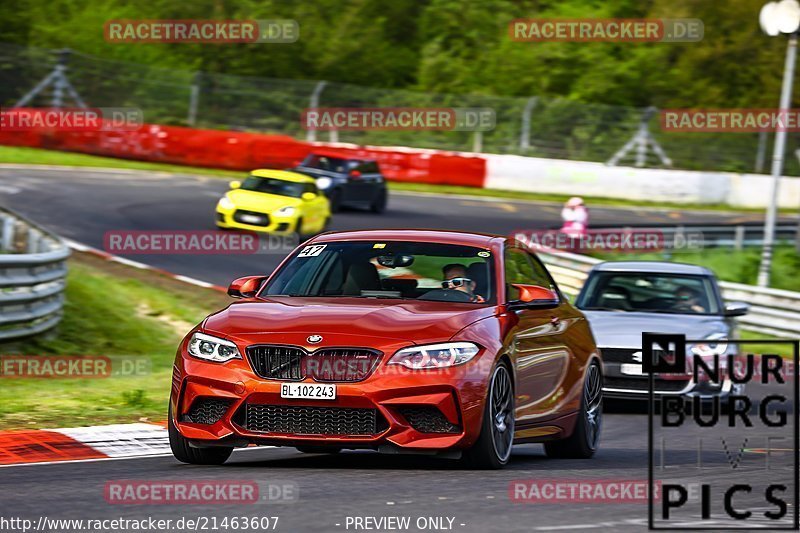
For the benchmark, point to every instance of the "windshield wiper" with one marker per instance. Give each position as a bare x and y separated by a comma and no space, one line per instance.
600,308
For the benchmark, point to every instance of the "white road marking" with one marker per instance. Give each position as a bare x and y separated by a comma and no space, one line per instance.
121,440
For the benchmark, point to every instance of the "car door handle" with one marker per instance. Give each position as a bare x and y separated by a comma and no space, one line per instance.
555,321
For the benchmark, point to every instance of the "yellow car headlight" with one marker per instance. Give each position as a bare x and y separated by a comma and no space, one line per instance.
286,211
225,203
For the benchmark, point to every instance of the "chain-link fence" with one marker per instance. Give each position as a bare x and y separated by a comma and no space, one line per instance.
542,127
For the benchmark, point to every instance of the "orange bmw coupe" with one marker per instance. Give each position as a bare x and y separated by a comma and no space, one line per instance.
401,341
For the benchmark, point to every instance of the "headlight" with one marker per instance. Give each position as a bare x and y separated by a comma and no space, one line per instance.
225,203
211,348
435,355
323,183
285,211
711,347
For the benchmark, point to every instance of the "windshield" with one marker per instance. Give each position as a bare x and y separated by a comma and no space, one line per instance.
650,293
276,186
332,164
390,269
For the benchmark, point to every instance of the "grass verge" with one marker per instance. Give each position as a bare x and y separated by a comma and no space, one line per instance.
111,310
36,156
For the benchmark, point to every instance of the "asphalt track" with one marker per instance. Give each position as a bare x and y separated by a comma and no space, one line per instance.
83,205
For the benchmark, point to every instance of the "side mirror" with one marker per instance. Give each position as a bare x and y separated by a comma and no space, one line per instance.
235,184
245,287
308,196
736,309
534,297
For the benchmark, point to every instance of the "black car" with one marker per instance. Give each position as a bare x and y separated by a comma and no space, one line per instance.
347,181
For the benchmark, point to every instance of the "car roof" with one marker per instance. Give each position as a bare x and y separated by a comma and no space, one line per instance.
339,155
422,235
284,175
654,267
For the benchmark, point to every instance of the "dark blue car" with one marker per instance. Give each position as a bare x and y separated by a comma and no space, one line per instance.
347,182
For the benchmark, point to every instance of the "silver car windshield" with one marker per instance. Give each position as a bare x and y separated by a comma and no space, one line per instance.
650,293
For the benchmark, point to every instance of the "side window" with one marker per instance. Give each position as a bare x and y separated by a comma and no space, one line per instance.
540,275
520,267
370,167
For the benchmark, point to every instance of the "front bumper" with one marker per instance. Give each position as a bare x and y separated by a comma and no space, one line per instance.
275,224
619,385
402,401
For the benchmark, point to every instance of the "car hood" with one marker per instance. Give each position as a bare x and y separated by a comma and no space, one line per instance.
343,320
260,201
624,329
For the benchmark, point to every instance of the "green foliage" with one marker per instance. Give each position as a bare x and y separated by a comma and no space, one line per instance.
447,46
432,48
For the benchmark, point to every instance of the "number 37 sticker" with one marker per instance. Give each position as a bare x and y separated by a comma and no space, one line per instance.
312,251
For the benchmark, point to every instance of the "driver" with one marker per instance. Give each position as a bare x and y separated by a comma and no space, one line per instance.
455,278
688,300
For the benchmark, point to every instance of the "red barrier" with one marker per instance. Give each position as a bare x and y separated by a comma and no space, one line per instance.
246,151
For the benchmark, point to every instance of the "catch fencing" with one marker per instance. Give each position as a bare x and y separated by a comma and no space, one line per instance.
529,125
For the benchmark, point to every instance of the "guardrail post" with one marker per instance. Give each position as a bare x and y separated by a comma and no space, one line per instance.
34,237
7,242
738,242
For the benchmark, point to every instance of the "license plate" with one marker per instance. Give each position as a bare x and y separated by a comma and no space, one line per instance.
308,391
253,219
631,369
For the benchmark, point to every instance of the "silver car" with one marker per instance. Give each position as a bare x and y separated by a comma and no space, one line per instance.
623,299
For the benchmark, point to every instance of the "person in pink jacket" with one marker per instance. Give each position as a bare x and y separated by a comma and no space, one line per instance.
575,217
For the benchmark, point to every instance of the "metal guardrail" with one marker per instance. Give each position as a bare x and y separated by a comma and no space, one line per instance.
33,274
773,311
736,236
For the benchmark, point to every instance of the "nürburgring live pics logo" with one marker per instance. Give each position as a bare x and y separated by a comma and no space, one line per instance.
728,460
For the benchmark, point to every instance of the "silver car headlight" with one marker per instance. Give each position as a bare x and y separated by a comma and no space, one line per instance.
212,348
711,347
435,355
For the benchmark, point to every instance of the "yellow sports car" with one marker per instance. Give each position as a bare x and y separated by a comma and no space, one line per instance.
274,201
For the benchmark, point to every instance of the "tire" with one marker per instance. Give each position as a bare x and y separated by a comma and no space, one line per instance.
335,200
318,449
195,456
492,450
584,439
379,203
